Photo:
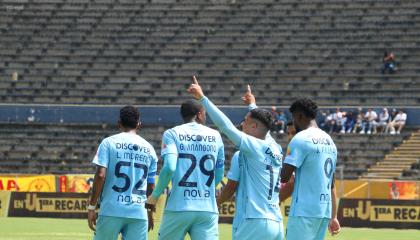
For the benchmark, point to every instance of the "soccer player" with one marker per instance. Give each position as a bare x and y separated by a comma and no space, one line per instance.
312,155
125,174
260,164
287,188
194,158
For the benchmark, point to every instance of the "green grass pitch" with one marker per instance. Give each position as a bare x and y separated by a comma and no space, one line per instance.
66,229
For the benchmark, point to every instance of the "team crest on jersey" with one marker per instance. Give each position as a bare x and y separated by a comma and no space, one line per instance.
289,151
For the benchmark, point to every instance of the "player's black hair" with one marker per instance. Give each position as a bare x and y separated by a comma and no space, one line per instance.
289,123
306,106
129,117
262,115
189,109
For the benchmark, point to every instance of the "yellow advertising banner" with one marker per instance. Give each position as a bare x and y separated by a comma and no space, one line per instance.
28,183
75,183
4,203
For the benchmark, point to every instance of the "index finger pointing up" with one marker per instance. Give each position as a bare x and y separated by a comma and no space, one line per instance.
248,88
194,79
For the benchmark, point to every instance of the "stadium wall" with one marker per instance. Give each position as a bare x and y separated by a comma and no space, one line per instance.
152,115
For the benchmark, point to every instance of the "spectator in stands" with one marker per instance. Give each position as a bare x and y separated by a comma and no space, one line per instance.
398,122
274,114
339,120
369,121
390,64
280,122
329,122
359,120
321,120
391,118
383,121
350,122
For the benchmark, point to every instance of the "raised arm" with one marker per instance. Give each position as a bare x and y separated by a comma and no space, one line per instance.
249,99
217,116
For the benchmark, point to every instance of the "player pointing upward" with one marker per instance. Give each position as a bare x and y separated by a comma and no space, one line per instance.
260,164
236,183
194,160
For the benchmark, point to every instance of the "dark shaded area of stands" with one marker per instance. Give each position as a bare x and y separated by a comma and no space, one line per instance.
59,148
119,52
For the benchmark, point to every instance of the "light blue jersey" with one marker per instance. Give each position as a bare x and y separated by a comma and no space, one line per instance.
259,163
200,152
234,174
234,171
314,154
131,163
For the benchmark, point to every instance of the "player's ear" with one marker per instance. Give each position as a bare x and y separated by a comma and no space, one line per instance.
119,125
138,126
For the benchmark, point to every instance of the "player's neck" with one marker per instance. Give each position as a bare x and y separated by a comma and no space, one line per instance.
193,121
130,131
312,124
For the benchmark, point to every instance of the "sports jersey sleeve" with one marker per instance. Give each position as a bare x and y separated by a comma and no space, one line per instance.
222,122
233,173
252,106
166,173
168,143
296,153
102,155
153,167
220,162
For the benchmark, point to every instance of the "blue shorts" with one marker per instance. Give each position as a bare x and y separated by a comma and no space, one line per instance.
199,225
307,228
108,228
258,228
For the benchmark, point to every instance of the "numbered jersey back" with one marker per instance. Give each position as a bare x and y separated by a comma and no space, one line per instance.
200,152
129,160
314,154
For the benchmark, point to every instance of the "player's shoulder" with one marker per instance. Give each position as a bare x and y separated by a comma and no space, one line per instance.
211,130
112,138
301,136
235,155
144,142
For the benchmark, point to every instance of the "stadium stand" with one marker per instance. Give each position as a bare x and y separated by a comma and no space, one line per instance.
63,148
401,163
117,52
114,52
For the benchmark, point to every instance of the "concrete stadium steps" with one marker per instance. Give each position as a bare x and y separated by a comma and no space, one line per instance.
315,48
400,160
60,148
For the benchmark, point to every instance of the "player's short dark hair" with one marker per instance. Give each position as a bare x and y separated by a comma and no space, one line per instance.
306,106
289,123
262,115
189,109
129,117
